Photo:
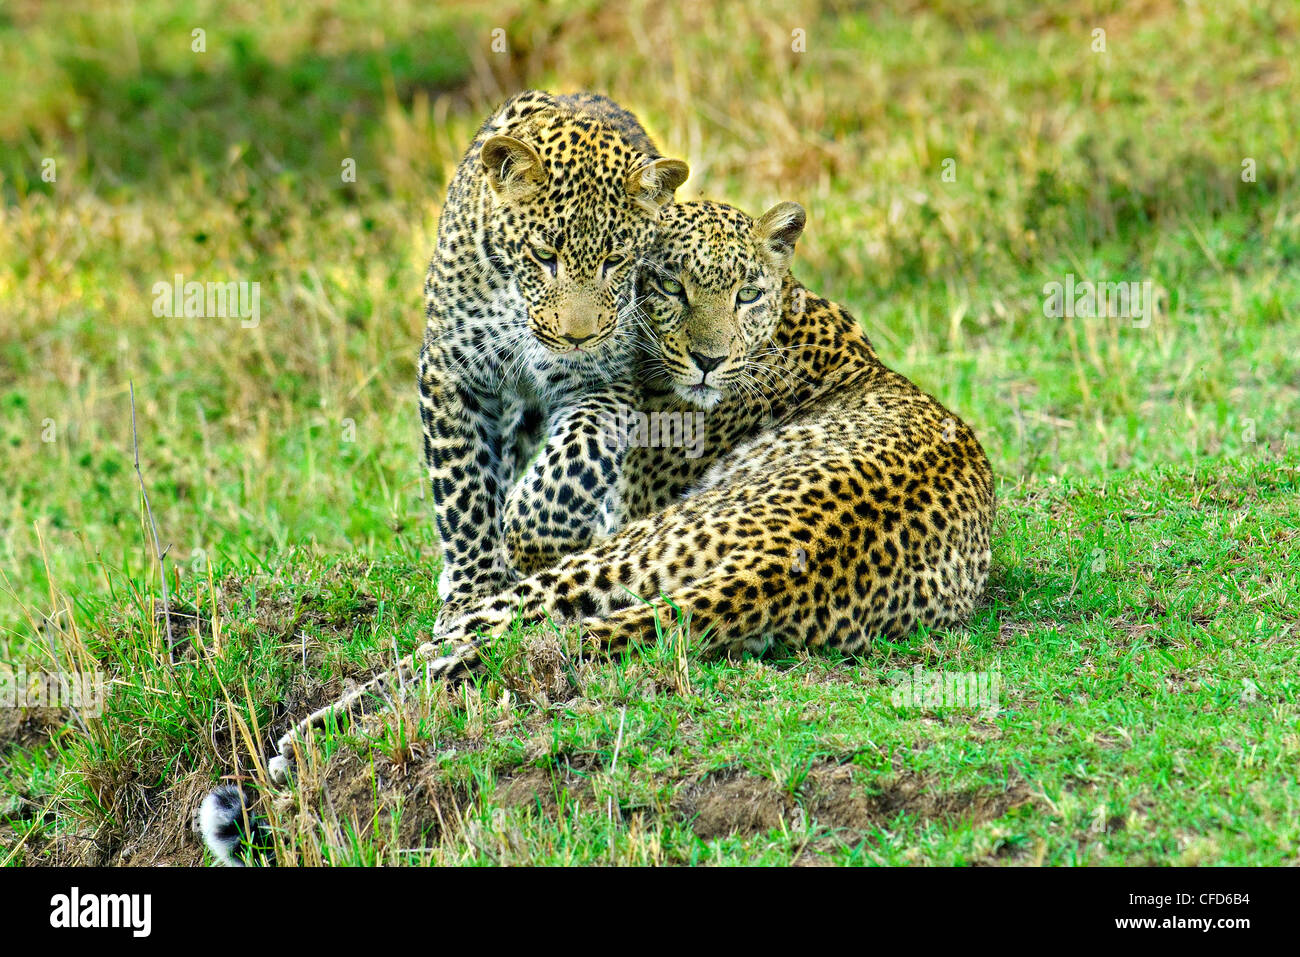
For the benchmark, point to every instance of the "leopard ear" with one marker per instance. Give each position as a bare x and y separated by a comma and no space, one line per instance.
652,184
779,229
513,167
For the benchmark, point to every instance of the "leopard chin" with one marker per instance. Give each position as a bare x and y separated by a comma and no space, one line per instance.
699,395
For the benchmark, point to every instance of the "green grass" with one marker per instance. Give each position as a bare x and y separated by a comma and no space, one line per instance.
1141,615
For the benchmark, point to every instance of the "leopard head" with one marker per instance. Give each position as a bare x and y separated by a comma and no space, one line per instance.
711,288
574,206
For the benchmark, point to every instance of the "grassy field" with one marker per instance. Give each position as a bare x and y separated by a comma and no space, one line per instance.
954,159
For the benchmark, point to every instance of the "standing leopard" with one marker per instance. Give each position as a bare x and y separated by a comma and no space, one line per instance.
837,501
527,300
528,342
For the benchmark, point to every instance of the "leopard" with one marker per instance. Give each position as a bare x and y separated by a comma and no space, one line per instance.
528,341
838,503
527,300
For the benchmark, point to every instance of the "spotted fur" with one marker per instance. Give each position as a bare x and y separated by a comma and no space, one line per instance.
527,298
836,501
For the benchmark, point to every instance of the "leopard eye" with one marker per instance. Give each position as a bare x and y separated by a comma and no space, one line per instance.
748,294
546,257
671,286
612,261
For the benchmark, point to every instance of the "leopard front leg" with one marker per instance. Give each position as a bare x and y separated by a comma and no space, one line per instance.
462,449
560,503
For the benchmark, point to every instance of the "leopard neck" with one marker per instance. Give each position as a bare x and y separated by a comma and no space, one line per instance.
817,346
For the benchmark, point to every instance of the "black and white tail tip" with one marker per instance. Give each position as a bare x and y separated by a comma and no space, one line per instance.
233,833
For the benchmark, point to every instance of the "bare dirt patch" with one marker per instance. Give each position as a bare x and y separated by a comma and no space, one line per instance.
27,728
836,798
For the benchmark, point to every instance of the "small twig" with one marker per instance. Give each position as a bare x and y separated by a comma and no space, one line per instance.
618,744
157,550
618,741
397,659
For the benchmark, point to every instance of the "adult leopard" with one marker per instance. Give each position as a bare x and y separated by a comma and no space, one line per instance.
526,299
838,501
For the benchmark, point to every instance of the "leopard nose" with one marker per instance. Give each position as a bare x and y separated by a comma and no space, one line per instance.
578,340
707,363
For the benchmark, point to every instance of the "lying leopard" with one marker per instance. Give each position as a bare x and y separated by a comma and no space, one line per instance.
838,502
